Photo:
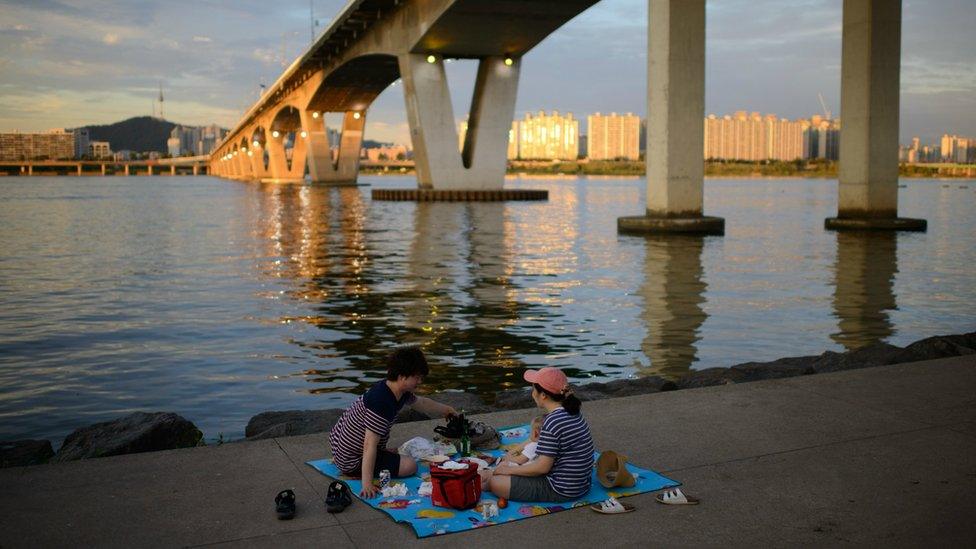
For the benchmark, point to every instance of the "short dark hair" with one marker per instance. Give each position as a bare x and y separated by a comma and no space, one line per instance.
406,362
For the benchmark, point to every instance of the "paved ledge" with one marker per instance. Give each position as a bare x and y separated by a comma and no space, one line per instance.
870,456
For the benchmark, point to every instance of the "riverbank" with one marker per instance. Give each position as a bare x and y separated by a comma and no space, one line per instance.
814,169
146,432
867,456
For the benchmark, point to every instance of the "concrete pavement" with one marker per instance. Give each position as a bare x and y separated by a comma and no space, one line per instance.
878,455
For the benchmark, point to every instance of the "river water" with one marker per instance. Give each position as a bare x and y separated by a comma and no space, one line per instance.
219,300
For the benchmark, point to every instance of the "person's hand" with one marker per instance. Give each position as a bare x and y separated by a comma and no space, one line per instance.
502,470
449,412
369,490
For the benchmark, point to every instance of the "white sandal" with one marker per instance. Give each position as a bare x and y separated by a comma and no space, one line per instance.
676,497
612,507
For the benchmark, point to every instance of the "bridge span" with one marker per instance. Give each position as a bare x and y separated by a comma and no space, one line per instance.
373,43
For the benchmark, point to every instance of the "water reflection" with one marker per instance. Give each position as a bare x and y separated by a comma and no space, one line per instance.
452,293
864,287
672,291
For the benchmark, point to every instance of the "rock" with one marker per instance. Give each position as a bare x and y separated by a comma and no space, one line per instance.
784,367
878,354
17,453
624,387
134,433
939,347
514,399
291,423
709,377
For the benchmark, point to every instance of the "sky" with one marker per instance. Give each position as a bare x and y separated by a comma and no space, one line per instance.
69,63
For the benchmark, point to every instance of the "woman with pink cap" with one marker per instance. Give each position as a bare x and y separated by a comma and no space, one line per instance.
561,471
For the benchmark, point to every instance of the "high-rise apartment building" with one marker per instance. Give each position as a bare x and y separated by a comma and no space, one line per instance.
755,137
549,137
58,144
613,136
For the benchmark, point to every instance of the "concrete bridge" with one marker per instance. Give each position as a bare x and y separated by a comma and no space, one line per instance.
185,165
373,43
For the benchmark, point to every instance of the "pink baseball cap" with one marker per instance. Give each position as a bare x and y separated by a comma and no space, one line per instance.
551,379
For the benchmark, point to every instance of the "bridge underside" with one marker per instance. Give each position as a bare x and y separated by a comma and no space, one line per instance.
373,43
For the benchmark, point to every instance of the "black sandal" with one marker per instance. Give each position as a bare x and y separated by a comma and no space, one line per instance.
338,497
285,504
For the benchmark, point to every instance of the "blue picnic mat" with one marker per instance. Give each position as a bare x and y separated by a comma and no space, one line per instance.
427,520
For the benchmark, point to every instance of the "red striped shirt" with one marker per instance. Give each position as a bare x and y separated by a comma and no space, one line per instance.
376,410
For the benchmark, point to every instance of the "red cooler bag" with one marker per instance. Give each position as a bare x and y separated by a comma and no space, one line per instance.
457,489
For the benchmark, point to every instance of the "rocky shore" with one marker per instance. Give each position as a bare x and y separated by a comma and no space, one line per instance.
146,432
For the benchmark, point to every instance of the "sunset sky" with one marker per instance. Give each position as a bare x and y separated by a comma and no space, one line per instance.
66,63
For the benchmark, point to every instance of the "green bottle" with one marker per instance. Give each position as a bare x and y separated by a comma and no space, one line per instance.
465,441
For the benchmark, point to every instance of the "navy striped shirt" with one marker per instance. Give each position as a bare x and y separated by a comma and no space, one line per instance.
376,410
566,439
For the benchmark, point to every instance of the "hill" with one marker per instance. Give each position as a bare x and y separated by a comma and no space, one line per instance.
141,134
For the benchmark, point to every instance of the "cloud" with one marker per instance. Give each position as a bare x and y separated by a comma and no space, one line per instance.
204,39
111,39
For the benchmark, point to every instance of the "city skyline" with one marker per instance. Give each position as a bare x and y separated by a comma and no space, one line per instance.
68,66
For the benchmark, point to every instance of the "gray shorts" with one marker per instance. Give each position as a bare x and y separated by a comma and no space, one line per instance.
534,489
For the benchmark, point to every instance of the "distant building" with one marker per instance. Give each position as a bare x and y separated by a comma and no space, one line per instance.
754,137
122,156
194,140
548,137
99,150
58,144
822,138
174,146
82,139
957,149
613,136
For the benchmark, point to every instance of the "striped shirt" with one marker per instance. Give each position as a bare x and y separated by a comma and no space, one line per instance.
567,440
376,410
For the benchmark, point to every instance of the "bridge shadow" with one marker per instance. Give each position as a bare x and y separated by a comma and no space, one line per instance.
864,275
672,292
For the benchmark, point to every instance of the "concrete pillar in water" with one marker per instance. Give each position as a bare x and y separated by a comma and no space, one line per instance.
675,132
126,169
869,101
277,164
79,168
196,169
432,126
172,169
30,169
149,169
345,169
103,169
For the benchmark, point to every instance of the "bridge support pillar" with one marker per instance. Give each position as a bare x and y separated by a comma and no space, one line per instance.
481,166
869,99
675,133
345,169
126,169
172,169
257,163
278,162
79,168
103,169
149,168
196,169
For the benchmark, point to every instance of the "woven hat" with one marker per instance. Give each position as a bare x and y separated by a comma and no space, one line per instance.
611,470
